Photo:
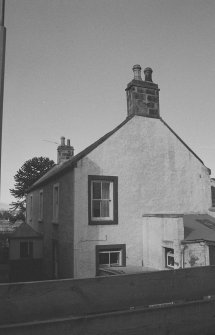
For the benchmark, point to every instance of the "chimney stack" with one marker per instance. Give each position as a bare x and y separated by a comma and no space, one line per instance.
143,96
64,151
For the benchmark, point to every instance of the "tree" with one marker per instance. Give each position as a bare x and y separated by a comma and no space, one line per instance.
26,176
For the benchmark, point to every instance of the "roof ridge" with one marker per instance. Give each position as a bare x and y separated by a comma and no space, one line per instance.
72,162
58,168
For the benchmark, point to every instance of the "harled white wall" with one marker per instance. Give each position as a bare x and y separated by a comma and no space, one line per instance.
156,174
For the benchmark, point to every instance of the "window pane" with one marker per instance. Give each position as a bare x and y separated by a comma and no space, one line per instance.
105,208
96,190
213,195
114,258
23,249
170,260
104,258
41,206
96,208
105,190
56,195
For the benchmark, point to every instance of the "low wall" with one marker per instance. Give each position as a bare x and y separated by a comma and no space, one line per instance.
188,319
26,302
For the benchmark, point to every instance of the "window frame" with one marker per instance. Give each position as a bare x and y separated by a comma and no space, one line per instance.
111,248
99,220
169,252
55,212
41,205
212,196
31,207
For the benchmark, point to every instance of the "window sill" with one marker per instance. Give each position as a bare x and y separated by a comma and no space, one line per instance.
55,223
212,209
102,222
40,221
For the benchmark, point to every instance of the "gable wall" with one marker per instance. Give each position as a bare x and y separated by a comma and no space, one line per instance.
156,174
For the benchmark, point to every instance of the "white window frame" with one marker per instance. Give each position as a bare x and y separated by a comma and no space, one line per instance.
41,205
111,214
56,203
109,252
170,254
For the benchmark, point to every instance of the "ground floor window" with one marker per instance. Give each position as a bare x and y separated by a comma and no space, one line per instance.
169,258
26,249
212,254
108,256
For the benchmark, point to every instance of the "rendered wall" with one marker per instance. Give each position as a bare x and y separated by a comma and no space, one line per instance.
156,174
61,232
158,234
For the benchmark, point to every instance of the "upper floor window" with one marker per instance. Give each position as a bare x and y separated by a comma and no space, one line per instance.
103,202
41,205
26,249
55,202
31,206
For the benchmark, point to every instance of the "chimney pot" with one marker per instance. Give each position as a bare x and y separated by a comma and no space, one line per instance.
62,140
137,72
64,152
148,74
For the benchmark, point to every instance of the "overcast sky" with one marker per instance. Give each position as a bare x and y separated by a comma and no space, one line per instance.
68,63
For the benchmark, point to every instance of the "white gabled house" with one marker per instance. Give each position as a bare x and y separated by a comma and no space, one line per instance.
120,204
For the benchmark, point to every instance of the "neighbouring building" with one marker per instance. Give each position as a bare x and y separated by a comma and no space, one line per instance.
21,252
124,201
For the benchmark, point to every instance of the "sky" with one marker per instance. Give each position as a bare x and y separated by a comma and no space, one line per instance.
68,63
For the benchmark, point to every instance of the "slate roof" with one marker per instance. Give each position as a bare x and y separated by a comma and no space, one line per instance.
7,228
199,227
25,231
71,163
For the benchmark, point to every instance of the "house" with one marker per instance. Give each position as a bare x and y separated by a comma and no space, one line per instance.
122,202
21,252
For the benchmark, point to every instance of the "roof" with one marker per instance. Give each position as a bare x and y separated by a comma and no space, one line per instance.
7,228
71,163
25,231
199,227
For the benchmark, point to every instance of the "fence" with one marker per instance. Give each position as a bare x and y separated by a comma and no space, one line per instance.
164,302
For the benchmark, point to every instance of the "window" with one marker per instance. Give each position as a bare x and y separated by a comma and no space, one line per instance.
169,258
213,196
26,249
110,258
110,255
31,206
103,202
55,202
41,206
